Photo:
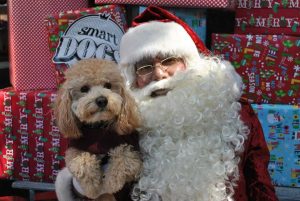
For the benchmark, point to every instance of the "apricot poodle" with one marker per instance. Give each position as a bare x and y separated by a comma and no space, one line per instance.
99,117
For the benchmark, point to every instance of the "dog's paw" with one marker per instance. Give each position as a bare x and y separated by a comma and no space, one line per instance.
86,169
130,160
124,166
113,182
85,165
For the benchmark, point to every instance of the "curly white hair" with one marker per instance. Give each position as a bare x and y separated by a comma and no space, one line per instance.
192,137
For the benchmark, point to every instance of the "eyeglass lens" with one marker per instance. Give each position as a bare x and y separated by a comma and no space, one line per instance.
147,69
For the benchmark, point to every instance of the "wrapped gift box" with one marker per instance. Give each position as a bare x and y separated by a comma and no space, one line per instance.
281,127
268,17
30,66
270,4
175,3
268,64
265,21
195,18
85,33
32,148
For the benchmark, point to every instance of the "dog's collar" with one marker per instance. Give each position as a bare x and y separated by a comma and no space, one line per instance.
97,125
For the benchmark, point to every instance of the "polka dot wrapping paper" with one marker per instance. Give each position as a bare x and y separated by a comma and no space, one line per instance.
30,60
175,3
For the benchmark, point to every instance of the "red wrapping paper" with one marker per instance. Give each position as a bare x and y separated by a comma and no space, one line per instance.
175,3
270,4
85,33
268,64
30,63
32,148
266,21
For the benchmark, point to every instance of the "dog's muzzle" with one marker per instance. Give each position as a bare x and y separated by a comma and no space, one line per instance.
101,101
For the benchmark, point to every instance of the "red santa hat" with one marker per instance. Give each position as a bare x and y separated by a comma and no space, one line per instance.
157,31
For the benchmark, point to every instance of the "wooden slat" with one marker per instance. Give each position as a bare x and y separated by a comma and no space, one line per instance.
288,193
33,185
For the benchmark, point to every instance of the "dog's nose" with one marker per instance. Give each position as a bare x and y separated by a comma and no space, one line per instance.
101,101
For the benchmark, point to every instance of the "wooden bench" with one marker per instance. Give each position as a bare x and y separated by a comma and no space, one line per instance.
32,187
283,193
288,193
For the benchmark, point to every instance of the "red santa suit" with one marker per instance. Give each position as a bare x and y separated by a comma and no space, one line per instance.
254,182
199,142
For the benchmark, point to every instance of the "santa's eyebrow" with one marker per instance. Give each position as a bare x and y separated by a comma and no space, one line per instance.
150,60
144,61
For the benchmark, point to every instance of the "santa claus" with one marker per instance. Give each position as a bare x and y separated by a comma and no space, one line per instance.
199,142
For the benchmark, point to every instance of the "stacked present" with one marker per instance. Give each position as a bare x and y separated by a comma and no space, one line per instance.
281,126
29,63
269,65
86,33
195,18
268,17
175,3
265,51
31,146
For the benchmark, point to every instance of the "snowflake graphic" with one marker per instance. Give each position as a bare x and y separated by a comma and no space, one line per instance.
244,86
249,37
290,59
281,84
297,68
259,92
266,43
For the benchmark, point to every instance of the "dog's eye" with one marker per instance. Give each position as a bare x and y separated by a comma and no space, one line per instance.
84,89
107,85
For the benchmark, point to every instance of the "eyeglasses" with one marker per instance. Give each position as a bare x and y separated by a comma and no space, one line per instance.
164,64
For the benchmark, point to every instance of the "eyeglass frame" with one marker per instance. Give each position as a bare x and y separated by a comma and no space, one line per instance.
162,67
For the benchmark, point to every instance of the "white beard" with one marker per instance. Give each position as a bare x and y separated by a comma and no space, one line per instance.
192,136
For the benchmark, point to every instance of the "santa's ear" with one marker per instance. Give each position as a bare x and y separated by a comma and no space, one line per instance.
129,117
65,118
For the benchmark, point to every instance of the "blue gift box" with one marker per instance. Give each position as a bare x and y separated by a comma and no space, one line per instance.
281,127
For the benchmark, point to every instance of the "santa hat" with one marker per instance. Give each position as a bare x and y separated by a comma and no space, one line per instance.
157,31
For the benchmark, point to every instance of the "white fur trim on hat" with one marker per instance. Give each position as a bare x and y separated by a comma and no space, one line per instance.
151,38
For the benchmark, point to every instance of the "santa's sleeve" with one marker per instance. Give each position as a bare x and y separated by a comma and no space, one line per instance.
256,159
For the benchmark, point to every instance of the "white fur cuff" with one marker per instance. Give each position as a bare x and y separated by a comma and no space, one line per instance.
77,187
63,185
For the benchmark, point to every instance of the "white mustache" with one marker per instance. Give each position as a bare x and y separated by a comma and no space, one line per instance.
168,83
145,93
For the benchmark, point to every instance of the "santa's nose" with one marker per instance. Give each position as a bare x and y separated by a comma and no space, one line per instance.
101,101
159,72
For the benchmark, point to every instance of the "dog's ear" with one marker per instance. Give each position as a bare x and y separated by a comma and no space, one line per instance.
65,118
129,118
